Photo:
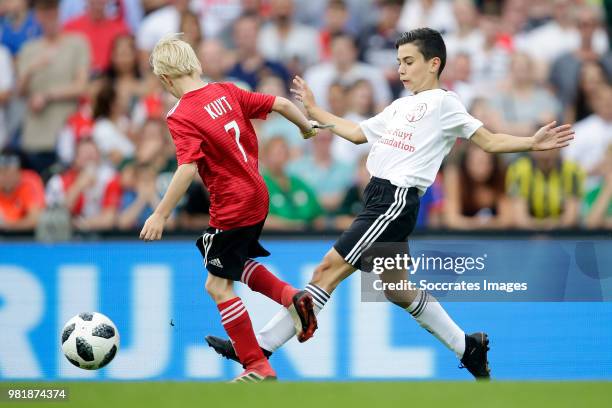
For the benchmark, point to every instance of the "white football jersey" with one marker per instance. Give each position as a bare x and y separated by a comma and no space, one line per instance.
411,137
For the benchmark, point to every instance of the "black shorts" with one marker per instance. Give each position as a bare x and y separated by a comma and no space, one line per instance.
226,251
389,215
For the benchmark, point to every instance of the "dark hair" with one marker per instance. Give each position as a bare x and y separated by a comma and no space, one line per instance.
106,97
495,181
111,73
346,35
338,4
428,41
46,4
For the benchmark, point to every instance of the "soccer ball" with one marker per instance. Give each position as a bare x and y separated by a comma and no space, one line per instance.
90,340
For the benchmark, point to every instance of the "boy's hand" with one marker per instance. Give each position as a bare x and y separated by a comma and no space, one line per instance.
153,228
303,93
549,137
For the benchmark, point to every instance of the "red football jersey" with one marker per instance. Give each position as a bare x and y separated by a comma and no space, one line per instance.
211,126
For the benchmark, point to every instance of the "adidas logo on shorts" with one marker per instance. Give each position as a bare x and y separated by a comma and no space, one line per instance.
216,262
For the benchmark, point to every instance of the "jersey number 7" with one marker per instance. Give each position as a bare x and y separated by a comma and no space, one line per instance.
234,125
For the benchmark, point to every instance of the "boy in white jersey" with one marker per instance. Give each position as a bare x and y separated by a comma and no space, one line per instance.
410,138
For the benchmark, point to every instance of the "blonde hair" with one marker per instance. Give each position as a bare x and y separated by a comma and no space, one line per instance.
174,57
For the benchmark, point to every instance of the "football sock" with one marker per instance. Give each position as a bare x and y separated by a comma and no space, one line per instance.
432,317
319,296
280,329
260,279
237,324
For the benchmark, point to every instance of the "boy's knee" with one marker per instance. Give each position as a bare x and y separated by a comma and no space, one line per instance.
219,289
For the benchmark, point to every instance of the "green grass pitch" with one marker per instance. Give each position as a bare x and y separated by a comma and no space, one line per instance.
331,394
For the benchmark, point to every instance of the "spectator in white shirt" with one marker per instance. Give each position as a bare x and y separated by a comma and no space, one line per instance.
467,38
111,125
593,136
345,69
558,36
436,14
285,40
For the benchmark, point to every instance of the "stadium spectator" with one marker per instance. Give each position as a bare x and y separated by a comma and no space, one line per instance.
335,20
567,74
18,25
152,147
522,104
377,43
360,100
431,207
276,125
352,202
490,63
328,177
78,126
467,38
215,62
546,191
515,17
194,210
52,75
154,26
593,76
22,195
89,189
100,32
558,36
598,201
123,70
216,15
140,198
458,78
293,204
190,27
593,136
474,192
287,41
131,11
251,66
345,68
112,127
6,90
437,14
336,99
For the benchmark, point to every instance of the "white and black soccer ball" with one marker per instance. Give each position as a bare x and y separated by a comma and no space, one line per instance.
90,340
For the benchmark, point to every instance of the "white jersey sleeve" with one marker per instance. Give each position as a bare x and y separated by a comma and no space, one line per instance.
454,118
375,127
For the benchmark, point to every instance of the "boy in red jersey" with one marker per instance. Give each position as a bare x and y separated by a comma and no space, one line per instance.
213,134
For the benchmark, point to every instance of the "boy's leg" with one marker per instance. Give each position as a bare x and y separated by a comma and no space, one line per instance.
237,324
332,270
300,304
426,310
257,277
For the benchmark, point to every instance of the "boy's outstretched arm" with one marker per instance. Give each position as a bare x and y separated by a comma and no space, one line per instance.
154,226
547,138
344,128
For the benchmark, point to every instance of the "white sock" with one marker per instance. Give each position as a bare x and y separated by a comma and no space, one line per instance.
432,317
280,329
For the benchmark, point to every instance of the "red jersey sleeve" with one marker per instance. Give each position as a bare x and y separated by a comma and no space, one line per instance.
254,105
188,143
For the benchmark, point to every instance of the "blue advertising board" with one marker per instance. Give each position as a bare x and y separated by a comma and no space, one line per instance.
143,287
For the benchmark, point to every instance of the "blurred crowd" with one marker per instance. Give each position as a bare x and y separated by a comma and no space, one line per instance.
84,145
